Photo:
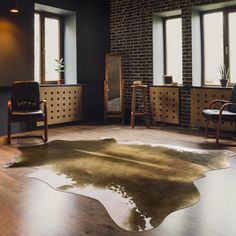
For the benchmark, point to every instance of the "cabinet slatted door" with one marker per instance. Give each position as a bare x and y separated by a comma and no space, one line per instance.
64,103
164,103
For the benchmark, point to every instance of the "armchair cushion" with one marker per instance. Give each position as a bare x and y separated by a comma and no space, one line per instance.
27,116
25,106
232,107
212,114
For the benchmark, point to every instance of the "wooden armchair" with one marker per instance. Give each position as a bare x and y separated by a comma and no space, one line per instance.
25,106
226,113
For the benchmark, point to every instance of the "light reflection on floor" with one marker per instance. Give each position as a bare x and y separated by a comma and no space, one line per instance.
44,210
112,197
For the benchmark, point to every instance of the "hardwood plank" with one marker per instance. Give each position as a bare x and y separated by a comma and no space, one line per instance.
30,207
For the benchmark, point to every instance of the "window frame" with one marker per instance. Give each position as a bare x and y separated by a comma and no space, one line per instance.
226,52
42,16
164,20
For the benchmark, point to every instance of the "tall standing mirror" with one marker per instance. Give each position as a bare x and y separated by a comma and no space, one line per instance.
113,88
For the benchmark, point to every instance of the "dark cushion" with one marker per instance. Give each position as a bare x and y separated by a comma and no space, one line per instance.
211,114
17,116
25,96
232,108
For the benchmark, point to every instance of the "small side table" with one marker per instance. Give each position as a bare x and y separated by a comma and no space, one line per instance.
133,105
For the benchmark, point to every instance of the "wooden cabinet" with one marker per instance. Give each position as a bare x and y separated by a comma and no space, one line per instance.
64,103
164,104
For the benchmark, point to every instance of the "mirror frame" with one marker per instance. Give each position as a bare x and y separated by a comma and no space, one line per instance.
107,113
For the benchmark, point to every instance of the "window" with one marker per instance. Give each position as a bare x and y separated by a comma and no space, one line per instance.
48,46
218,45
173,48
232,46
213,47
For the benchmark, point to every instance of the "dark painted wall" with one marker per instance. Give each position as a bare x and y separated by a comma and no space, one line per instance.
16,44
16,53
93,43
16,50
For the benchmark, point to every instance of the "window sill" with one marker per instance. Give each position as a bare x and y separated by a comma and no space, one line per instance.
212,87
168,86
195,87
60,85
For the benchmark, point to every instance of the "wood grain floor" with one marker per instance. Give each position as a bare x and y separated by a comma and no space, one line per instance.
29,207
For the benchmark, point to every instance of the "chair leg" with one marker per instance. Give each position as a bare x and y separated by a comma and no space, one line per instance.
206,129
218,131
9,132
132,118
122,118
45,130
145,107
105,119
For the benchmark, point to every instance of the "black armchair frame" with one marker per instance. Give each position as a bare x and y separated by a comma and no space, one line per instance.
44,119
225,104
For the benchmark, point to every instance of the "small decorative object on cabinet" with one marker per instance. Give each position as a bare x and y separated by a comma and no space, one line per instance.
167,79
113,88
137,82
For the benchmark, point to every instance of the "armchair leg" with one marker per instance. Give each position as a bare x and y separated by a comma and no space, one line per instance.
45,131
218,131
206,129
9,132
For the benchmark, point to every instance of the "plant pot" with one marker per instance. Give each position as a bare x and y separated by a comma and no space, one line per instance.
224,82
60,81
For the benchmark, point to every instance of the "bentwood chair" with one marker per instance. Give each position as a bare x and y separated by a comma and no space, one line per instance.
226,113
25,106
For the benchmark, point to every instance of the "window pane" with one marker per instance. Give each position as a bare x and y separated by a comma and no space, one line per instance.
52,48
37,64
213,47
232,47
174,49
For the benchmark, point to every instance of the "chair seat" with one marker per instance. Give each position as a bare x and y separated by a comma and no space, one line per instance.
212,114
17,116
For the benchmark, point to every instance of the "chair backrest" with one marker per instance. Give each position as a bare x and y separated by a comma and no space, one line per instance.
232,108
25,96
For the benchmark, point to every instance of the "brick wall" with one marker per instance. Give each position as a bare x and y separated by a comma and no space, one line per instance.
131,36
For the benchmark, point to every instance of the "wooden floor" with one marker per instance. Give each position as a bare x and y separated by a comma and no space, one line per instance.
29,207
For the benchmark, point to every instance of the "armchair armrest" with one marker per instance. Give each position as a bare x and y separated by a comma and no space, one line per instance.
9,106
45,114
224,106
217,101
44,105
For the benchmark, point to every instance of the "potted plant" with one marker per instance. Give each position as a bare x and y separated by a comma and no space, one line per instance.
224,75
60,68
